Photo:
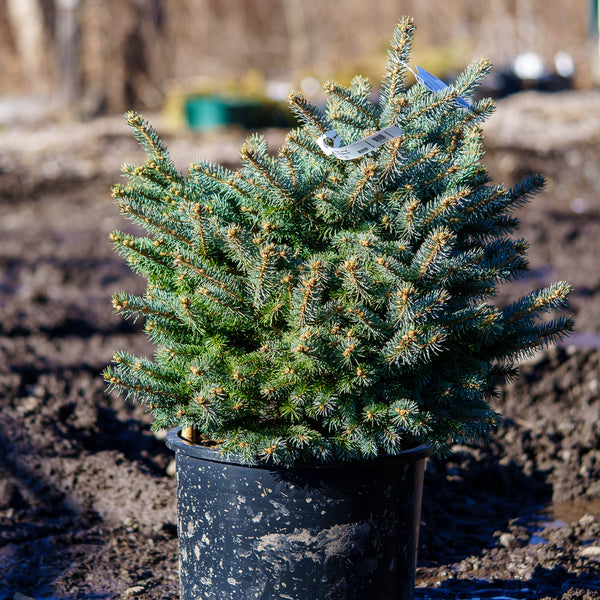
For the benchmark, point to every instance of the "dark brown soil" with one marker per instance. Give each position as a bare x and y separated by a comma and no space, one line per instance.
87,495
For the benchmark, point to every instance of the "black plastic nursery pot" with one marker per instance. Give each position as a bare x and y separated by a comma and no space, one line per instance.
343,531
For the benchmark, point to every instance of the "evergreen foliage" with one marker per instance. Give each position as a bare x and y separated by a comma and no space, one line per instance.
305,307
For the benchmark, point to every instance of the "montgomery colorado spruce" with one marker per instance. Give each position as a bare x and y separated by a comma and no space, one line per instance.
307,308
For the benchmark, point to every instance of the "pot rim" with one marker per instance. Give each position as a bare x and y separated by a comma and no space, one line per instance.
176,443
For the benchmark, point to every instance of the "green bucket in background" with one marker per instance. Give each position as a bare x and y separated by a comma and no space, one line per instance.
205,112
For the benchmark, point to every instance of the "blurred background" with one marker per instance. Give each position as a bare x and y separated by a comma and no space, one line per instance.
87,502
90,57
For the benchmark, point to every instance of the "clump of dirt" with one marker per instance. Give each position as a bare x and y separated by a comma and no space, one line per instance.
87,493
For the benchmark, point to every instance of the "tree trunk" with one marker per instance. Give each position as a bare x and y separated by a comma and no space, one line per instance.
27,24
67,43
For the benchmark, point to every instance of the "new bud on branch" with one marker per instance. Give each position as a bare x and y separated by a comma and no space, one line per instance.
308,307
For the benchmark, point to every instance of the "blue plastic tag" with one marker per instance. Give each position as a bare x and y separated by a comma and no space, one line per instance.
434,84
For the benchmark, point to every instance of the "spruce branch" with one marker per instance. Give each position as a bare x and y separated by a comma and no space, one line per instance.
129,305
150,141
215,276
290,164
391,160
522,192
394,80
158,221
307,113
213,178
144,255
359,187
254,154
432,251
306,307
303,142
353,101
467,81
522,311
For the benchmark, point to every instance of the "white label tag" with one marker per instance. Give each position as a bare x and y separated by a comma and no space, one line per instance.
331,143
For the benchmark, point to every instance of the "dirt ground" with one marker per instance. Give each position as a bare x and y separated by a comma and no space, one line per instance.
87,493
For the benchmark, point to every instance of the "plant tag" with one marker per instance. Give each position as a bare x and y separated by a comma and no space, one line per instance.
433,84
331,143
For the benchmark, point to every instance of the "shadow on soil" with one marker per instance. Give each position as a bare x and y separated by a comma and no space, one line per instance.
470,497
556,581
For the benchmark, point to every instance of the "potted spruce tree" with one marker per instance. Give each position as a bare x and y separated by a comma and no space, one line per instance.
322,325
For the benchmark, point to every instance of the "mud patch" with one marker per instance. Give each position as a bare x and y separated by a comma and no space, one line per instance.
337,541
